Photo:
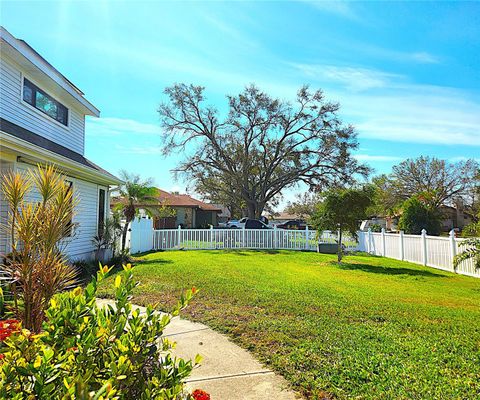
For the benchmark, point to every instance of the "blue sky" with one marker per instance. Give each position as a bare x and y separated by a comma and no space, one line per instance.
406,74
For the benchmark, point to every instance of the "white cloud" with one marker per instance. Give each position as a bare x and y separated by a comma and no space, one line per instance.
110,126
388,107
139,150
424,58
377,158
418,57
356,79
340,8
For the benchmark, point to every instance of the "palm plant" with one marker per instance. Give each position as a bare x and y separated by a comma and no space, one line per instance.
107,236
37,230
134,192
472,245
472,251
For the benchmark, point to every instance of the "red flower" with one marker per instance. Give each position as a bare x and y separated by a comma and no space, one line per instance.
72,349
2,356
194,290
7,327
199,394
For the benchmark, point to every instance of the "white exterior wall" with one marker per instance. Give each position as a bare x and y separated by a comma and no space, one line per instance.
14,109
80,246
4,167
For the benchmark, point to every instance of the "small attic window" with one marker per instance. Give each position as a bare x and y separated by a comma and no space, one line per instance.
37,98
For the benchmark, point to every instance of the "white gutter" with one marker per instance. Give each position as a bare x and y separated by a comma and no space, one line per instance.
41,155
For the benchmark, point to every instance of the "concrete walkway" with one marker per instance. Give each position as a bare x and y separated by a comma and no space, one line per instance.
227,371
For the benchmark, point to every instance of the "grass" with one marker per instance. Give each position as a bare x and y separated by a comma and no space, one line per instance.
371,328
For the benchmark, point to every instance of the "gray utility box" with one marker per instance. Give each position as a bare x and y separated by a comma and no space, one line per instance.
327,248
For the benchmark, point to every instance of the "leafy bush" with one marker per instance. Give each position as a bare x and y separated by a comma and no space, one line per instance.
418,215
89,352
37,231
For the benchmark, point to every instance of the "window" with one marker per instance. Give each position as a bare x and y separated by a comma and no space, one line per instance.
101,211
37,98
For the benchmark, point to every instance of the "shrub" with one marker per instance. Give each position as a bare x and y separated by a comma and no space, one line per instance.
418,215
88,352
37,231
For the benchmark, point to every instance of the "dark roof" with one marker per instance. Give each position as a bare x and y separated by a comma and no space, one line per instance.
44,143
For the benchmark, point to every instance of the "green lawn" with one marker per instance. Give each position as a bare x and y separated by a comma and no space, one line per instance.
372,328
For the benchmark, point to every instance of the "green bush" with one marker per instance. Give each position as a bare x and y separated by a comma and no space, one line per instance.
89,352
418,215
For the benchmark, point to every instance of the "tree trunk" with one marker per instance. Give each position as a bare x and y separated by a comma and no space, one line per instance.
124,235
251,209
339,249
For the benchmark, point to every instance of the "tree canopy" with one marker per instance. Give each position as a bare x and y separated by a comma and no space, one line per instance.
261,147
343,209
418,214
443,180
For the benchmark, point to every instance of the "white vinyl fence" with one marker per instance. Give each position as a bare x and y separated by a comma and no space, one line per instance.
432,251
195,239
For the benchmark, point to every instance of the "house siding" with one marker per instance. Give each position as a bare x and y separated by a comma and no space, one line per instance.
5,166
15,110
80,246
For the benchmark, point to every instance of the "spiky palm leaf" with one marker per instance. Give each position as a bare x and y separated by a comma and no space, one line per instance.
472,251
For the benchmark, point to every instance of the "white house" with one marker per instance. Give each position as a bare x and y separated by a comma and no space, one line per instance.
42,120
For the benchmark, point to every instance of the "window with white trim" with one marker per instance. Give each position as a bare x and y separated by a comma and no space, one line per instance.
43,102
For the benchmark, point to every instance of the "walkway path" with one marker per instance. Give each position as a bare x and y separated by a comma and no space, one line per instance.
227,371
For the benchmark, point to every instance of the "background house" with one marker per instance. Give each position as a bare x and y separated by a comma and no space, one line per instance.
185,211
42,121
281,217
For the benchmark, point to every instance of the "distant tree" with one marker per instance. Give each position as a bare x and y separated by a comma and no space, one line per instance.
343,210
133,192
418,214
263,146
386,201
443,180
304,205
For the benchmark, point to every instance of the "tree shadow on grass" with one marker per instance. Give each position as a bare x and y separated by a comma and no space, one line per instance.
378,269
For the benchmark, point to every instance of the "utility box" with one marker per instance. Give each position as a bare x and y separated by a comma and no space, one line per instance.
327,248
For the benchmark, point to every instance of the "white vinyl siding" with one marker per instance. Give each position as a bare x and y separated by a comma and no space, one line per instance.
4,167
80,245
15,110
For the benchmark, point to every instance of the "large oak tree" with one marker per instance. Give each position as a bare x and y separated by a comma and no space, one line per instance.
262,146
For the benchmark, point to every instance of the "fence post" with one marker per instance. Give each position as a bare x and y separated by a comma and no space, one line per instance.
275,241
211,237
307,238
369,241
384,250
424,246
402,246
453,245
243,236
179,235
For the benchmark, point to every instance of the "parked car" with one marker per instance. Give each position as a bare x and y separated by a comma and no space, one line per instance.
255,224
247,223
235,223
293,224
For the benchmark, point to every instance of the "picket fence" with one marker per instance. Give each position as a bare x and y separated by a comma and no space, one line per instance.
432,251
